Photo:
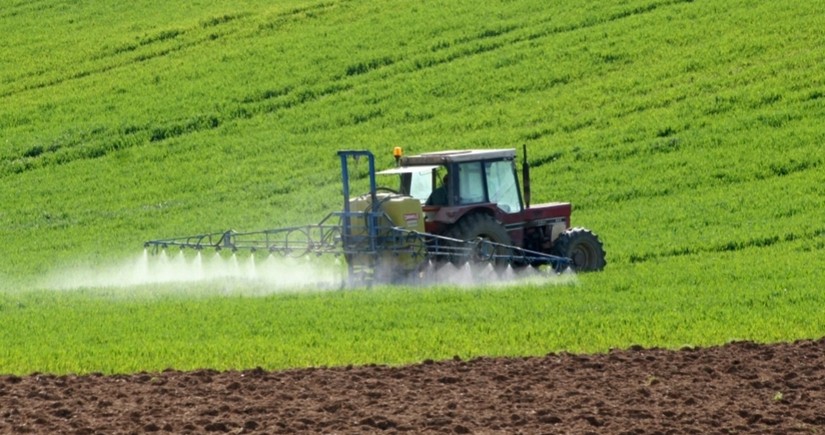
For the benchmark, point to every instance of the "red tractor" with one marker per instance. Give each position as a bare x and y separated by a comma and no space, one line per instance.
474,194
451,207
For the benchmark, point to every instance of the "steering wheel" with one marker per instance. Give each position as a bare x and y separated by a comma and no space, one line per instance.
386,189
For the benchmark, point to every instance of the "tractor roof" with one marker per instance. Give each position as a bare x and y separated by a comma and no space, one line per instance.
443,157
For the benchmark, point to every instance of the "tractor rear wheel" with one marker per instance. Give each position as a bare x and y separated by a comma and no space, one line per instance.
583,247
481,226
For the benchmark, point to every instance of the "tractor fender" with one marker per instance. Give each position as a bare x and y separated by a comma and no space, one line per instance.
439,218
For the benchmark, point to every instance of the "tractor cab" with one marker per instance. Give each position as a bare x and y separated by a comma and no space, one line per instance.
461,178
453,184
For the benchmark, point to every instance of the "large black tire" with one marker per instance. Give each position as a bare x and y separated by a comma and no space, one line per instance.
480,226
583,247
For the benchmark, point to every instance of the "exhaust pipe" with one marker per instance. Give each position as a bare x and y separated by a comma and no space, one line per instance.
525,174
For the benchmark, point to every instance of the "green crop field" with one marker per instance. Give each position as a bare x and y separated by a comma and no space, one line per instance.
687,133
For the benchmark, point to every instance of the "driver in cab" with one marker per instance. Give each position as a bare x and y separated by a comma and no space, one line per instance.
439,196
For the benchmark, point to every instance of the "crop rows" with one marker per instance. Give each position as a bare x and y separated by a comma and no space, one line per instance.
153,328
686,134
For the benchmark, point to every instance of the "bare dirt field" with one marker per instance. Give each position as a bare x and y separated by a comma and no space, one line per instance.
741,387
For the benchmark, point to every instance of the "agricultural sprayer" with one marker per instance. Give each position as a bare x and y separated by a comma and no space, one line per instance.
462,208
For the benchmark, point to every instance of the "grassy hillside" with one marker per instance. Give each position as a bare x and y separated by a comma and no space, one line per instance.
687,133
673,126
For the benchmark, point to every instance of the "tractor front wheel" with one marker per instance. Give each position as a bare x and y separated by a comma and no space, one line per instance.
583,247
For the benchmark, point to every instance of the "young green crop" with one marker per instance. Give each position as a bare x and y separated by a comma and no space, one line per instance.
153,328
686,134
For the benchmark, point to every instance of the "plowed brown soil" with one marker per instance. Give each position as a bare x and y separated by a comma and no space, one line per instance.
737,388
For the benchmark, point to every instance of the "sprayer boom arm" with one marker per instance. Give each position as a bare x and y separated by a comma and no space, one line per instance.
332,239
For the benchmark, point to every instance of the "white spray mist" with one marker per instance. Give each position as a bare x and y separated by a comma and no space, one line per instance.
274,273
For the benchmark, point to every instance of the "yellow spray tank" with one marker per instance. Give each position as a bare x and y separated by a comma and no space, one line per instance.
399,254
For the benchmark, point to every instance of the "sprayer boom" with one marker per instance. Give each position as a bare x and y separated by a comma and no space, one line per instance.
385,251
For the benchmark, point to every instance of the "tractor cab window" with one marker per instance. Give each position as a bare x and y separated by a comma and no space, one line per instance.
416,181
471,183
501,185
421,183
